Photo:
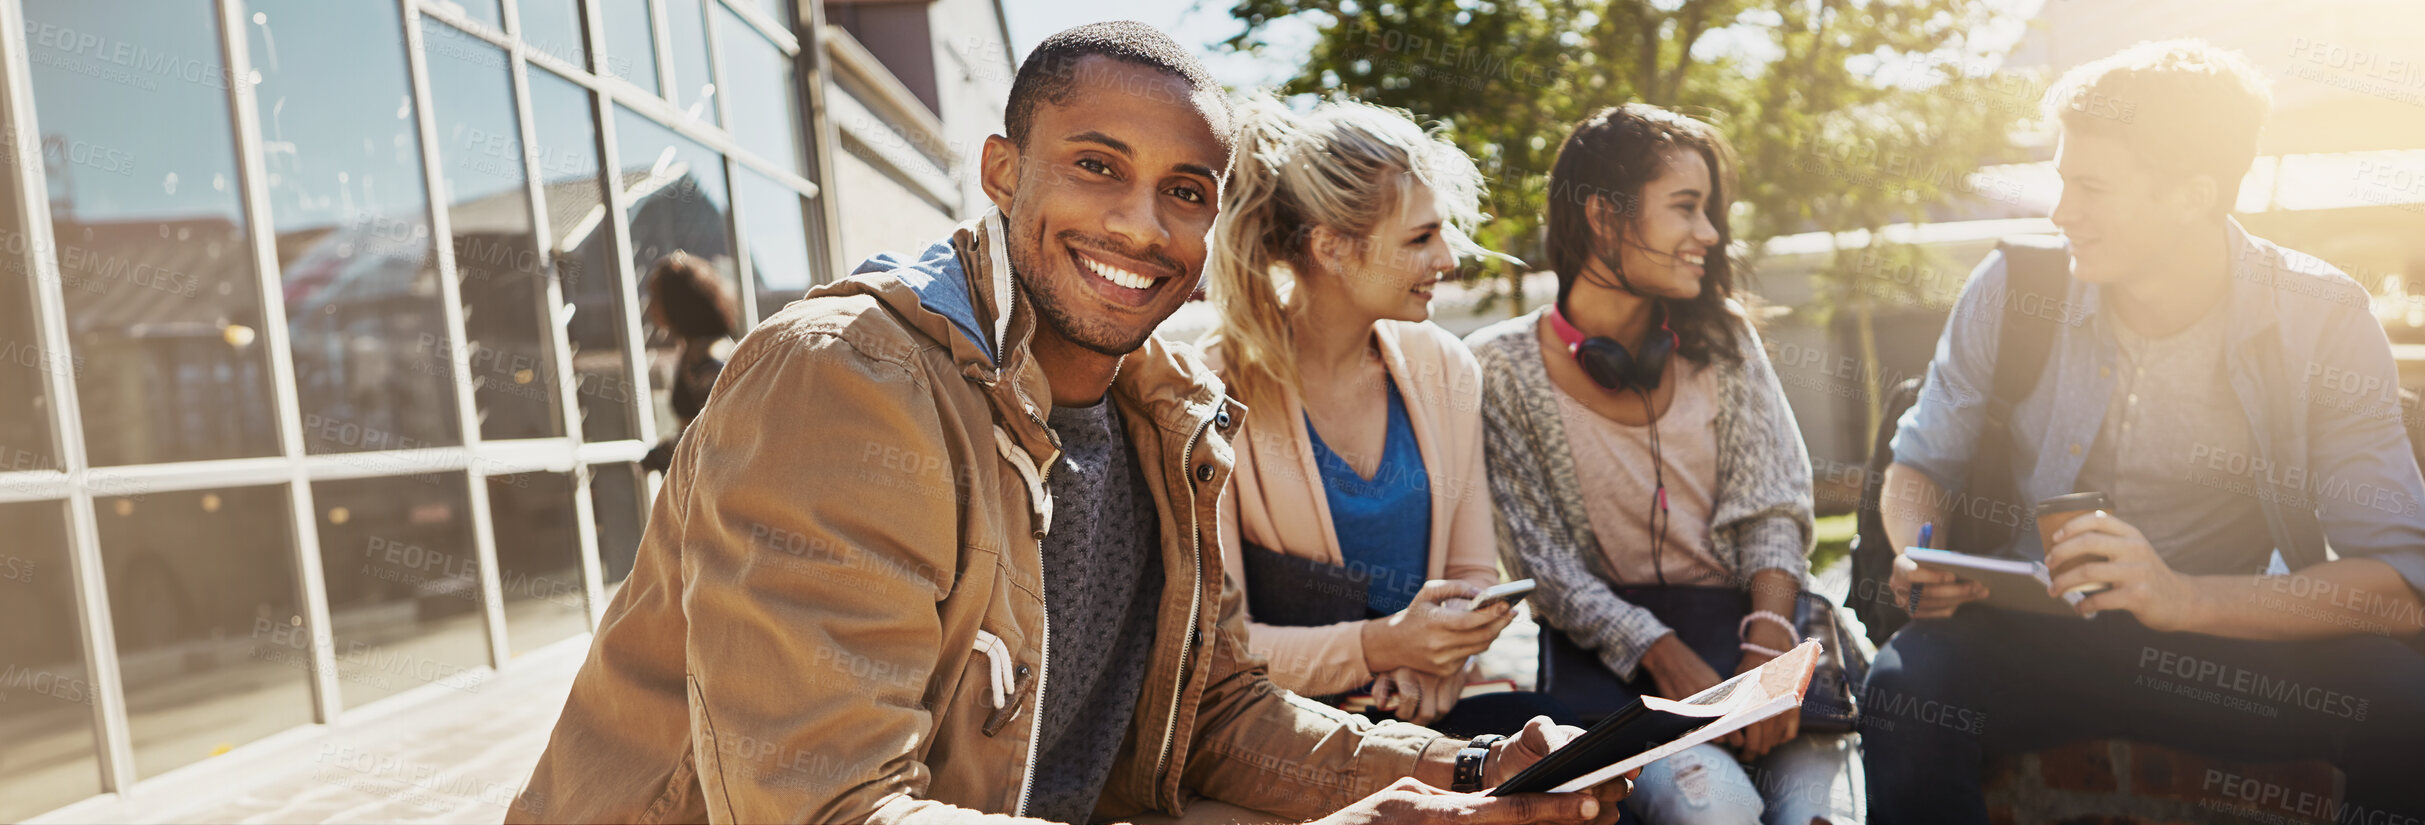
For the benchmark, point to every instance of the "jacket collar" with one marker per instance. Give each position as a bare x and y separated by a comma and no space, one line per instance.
963,294
934,293
1169,383
2256,267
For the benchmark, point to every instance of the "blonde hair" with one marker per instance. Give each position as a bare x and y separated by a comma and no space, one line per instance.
1342,165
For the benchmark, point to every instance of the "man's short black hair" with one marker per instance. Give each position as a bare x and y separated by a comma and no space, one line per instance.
1051,71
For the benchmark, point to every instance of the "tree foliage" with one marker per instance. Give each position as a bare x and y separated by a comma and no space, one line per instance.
1846,114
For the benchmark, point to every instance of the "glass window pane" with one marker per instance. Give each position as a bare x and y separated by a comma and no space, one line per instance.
778,241
150,232
25,409
617,498
403,584
780,10
678,203
211,641
497,264
694,83
765,93
480,11
554,27
351,206
564,125
631,45
538,559
46,691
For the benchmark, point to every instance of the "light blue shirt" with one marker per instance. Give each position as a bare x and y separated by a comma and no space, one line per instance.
2306,358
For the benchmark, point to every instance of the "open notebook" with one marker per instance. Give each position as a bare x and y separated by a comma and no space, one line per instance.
1651,728
2011,584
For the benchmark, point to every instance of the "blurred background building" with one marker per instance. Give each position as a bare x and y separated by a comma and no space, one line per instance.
323,364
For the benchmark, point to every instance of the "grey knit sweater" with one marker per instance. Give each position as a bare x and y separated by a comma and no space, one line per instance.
1760,519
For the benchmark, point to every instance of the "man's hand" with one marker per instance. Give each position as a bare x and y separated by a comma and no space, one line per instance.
1435,633
1410,801
1940,591
1535,741
1524,747
1507,758
2098,549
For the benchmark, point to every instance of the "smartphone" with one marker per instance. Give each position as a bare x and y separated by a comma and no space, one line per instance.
1507,593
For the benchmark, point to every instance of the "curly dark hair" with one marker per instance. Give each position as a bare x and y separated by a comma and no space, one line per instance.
1611,156
690,299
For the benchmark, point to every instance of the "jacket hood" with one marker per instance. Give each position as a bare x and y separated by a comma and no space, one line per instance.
936,278
975,314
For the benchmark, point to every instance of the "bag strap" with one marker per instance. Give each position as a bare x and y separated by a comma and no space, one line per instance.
2037,285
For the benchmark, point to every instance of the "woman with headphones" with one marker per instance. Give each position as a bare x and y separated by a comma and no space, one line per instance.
1358,521
1649,473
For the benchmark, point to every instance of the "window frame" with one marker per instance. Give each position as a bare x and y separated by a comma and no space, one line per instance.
76,485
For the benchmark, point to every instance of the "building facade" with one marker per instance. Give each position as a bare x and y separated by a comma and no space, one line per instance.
324,364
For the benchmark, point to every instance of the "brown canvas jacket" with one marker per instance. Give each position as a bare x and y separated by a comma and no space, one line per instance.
837,613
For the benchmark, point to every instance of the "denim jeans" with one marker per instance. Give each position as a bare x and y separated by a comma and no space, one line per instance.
1814,776
1944,694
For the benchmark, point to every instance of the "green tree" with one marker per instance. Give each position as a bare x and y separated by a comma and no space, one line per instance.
1848,114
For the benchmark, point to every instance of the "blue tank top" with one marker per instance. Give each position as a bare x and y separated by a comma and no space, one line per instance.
1384,524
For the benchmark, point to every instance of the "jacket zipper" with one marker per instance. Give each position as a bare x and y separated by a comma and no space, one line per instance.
1036,479
1035,733
1195,600
1044,639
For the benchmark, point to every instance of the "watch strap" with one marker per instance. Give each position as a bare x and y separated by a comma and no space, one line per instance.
1469,763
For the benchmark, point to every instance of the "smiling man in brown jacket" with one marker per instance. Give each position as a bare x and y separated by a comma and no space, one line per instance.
840,612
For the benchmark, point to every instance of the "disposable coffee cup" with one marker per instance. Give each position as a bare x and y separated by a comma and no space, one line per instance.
2055,512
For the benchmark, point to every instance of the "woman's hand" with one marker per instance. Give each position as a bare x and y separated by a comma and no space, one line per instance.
1421,698
1774,592
1677,670
1759,738
1434,634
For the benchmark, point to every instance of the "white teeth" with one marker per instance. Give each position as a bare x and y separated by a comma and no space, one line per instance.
1695,260
1116,275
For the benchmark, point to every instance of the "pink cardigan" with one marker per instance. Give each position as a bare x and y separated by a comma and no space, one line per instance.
1276,498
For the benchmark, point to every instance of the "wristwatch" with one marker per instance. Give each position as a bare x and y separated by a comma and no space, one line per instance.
1469,763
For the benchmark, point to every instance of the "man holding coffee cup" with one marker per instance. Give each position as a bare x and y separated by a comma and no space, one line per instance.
2181,390
2056,513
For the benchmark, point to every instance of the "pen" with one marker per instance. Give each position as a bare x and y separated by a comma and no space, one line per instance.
1928,531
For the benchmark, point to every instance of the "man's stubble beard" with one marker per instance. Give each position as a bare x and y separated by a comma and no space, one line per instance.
1093,334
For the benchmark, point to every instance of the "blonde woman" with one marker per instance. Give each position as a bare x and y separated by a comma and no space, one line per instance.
1360,521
